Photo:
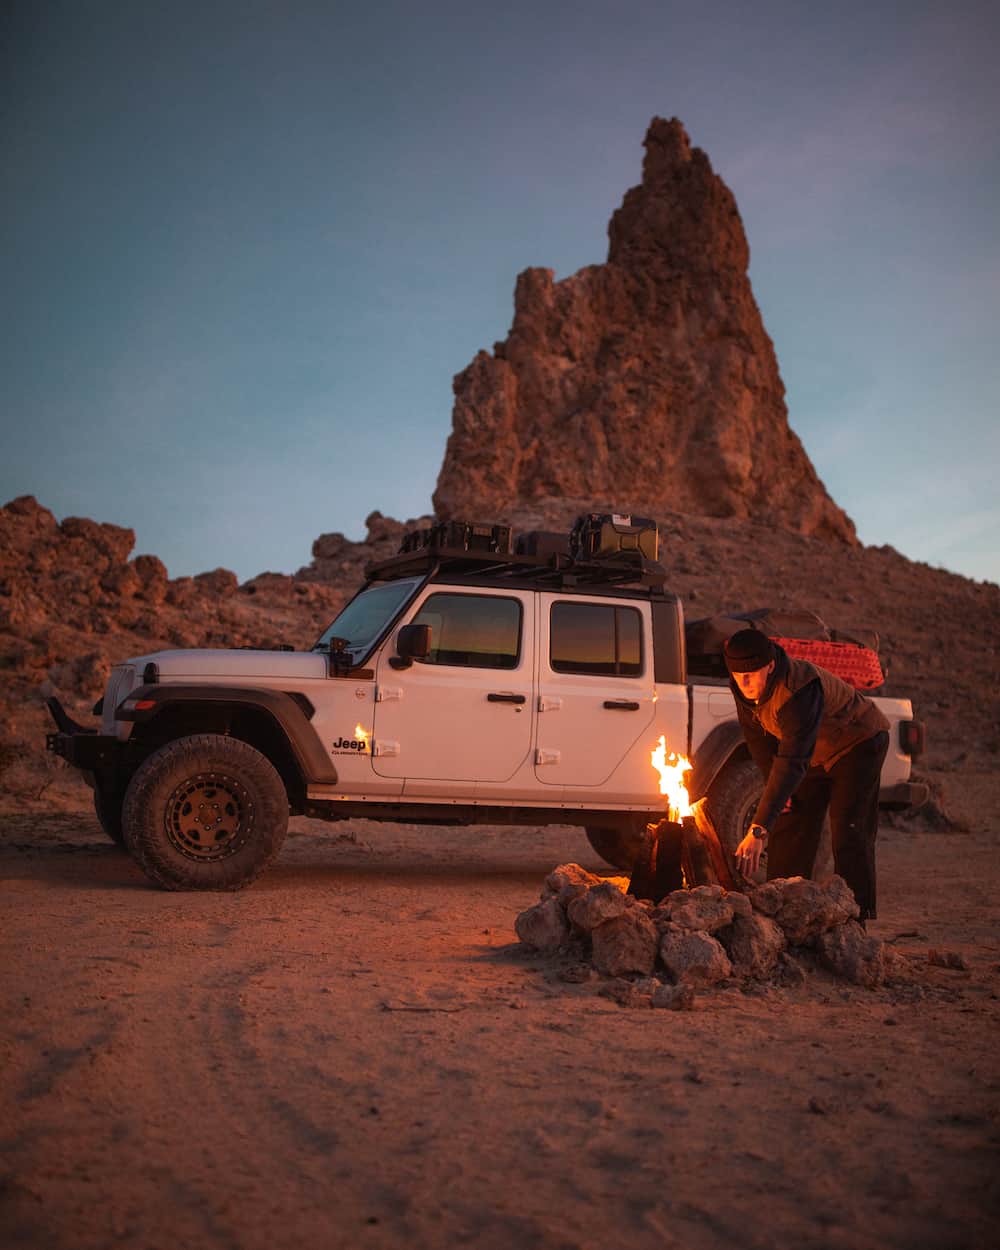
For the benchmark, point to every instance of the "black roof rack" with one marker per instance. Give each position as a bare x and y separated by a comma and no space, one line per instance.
559,572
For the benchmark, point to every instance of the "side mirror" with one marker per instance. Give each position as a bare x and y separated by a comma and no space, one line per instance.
413,642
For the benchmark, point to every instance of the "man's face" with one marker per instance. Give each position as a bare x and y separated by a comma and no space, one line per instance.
751,685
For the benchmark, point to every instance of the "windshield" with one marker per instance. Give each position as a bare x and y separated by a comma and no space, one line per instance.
365,618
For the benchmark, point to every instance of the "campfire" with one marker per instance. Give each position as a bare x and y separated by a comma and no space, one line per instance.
682,850
687,921
672,770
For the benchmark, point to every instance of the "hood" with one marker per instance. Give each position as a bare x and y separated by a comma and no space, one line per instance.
199,664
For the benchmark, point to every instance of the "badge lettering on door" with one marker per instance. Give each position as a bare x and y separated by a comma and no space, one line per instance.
358,745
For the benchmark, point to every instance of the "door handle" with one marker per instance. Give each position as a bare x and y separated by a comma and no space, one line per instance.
621,705
505,698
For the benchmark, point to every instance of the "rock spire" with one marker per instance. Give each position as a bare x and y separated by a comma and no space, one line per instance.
649,381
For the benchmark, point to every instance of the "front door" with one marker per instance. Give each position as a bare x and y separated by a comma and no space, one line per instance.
465,713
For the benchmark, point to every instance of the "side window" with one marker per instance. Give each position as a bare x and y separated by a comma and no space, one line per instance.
478,631
598,638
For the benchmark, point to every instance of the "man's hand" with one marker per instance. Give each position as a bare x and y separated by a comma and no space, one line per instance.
749,850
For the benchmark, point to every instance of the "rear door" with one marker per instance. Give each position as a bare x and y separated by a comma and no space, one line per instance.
465,713
596,696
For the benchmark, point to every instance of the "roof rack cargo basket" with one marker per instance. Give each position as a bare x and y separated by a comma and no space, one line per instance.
554,572
458,536
601,550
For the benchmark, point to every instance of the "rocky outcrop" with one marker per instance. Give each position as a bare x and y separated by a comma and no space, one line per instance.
644,384
338,559
73,601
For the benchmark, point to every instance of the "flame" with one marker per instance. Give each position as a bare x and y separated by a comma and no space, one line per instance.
672,769
362,735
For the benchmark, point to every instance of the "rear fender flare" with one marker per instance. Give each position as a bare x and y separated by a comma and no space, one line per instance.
714,753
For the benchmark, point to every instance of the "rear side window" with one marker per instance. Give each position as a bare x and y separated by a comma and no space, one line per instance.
476,631
598,638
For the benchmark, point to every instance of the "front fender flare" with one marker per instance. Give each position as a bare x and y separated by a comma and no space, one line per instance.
282,708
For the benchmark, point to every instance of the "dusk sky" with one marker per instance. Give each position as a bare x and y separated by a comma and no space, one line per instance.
245,247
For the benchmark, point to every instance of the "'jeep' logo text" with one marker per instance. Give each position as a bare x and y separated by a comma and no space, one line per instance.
350,744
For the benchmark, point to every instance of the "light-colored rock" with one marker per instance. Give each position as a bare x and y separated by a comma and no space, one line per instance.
753,944
766,898
568,875
706,907
625,944
805,908
594,906
850,952
544,926
693,956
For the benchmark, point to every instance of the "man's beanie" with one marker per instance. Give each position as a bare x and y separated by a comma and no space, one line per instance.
748,651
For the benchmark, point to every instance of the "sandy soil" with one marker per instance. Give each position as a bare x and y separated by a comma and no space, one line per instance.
355,1052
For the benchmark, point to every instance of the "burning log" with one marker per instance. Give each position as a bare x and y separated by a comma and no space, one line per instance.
663,864
707,838
658,868
684,849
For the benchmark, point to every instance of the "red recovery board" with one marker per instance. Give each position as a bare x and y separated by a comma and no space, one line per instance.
857,665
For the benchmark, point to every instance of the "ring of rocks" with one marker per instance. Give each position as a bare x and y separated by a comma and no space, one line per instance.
701,937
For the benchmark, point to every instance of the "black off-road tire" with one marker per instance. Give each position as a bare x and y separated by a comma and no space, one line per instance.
205,812
108,807
732,801
616,847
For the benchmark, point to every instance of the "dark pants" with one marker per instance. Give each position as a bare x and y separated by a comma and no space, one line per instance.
850,792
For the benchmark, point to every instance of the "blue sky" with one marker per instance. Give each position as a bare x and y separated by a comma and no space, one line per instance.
246,246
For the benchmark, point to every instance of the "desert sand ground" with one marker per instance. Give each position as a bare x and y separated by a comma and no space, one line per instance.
355,1052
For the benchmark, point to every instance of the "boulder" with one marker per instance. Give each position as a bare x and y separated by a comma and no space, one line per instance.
803,908
544,926
95,544
569,875
754,944
217,582
692,956
152,575
626,944
849,952
594,906
705,907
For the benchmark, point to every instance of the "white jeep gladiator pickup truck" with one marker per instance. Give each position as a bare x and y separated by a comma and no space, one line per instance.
463,684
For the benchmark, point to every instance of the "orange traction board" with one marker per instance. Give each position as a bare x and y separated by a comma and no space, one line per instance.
857,665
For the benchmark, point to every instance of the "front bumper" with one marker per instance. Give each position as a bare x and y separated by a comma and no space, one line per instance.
87,751
84,748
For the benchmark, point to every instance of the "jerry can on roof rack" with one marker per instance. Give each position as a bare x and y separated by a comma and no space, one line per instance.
597,535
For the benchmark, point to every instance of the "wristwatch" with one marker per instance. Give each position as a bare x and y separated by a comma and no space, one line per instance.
758,831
